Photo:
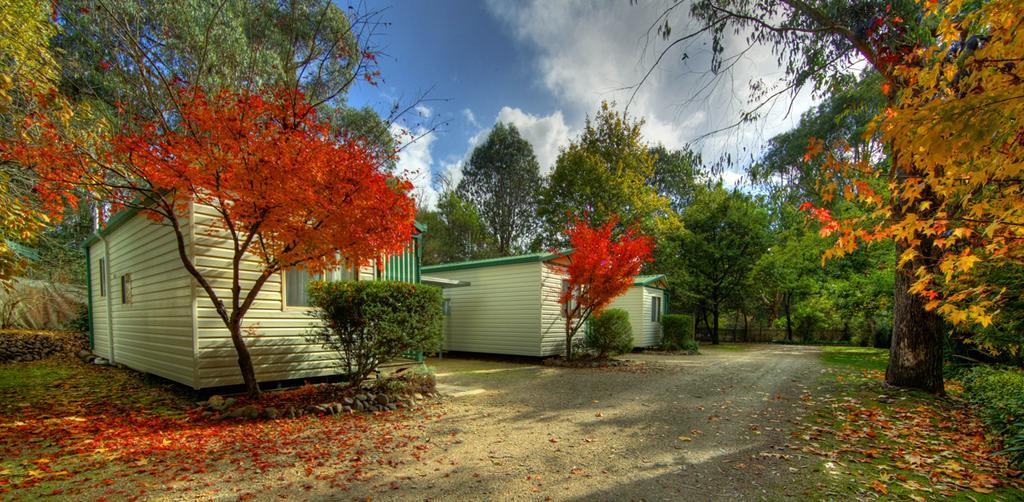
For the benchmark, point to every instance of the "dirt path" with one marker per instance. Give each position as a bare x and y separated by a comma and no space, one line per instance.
712,426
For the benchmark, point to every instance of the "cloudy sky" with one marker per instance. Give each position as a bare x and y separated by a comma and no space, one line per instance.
545,65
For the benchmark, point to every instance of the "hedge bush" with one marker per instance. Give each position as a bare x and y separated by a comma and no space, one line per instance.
999,394
610,333
367,323
677,332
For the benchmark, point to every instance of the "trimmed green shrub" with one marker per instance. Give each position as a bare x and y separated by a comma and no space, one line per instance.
610,333
677,332
999,394
367,323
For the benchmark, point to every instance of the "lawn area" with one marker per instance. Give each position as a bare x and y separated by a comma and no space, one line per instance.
865,358
879,442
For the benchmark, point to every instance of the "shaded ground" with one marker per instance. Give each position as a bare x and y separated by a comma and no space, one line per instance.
711,426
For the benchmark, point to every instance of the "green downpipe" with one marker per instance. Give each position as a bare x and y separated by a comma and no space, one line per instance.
88,296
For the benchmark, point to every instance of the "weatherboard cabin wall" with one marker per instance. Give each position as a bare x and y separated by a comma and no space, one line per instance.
510,307
171,328
499,313
141,298
278,341
552,322
637,302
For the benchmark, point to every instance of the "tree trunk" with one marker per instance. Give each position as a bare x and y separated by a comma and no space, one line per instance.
789,323
915,360
252,387
714,327
568,339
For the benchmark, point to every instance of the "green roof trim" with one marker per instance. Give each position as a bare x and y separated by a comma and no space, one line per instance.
495,262
647,280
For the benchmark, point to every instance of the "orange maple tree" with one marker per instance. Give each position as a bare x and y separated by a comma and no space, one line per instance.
286,188
601,267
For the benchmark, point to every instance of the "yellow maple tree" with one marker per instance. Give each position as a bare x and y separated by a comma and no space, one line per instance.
956,181
27,70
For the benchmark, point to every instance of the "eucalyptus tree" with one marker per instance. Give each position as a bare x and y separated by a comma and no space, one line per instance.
502,180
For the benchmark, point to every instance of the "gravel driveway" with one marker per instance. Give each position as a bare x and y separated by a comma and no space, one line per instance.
709,426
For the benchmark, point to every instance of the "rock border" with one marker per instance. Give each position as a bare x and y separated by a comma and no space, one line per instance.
587,363
363,400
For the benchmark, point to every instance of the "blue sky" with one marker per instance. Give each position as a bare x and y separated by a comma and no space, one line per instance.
544,66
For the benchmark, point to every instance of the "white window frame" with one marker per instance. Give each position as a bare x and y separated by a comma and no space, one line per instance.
126,288
334,275
565,308
103,277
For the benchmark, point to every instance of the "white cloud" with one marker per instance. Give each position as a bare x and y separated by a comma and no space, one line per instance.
593,51
731,178
547,134
414,161
423,111
470,117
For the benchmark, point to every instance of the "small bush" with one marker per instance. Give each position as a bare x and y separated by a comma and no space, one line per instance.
368,323
80,323
677,332
999,393
610,333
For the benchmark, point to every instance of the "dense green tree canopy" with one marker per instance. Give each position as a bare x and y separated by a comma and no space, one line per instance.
603,174
455,231
724,234
678,174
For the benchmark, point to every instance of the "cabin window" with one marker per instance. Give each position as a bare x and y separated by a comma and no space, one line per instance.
655,309
103,277
446,306
296,280
126,289
567,307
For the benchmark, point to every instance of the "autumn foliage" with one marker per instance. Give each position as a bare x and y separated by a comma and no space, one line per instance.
601,268
955,184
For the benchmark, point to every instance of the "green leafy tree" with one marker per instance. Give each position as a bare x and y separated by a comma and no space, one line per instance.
27,67
678,174
724,234
788,272
128,54
502,180
604,173
455,232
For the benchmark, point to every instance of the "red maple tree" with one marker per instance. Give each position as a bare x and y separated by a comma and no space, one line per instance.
601,267
286,188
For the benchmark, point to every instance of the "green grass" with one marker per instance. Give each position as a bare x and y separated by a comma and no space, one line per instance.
21,377
861,358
